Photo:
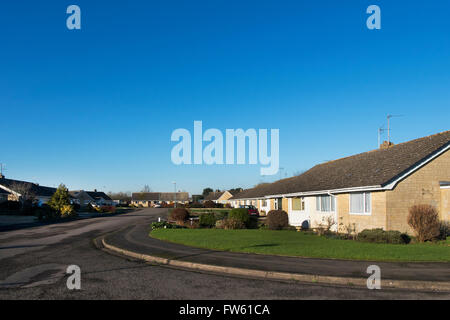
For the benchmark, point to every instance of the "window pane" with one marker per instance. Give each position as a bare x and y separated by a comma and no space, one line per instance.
325,203
333,203
318,203
367,202
296,204
357,202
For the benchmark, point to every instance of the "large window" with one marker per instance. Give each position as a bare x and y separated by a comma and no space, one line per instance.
360,203
298,204
326,203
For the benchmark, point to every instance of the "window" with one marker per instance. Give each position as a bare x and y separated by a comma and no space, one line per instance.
298,204
264,203
360,203
326,203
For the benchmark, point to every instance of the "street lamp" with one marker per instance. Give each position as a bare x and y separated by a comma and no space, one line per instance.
175,194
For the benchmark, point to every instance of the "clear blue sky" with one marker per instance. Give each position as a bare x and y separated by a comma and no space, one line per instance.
95,108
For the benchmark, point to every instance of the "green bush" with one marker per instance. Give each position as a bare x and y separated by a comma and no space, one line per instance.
277,220
207,220
46,213
161,225
233,224
381,236
240,214
221,215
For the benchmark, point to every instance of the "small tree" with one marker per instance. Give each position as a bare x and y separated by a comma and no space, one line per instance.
424,219
60,200
24,194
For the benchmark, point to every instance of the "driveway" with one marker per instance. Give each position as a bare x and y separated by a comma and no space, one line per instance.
33,263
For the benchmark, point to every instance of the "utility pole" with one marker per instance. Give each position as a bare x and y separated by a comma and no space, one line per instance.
380,131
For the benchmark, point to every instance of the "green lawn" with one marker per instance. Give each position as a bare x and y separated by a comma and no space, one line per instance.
291,243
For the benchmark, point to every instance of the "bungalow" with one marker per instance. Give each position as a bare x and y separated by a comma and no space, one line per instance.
83,198
150,199
4,195
219,196
374,189
16,189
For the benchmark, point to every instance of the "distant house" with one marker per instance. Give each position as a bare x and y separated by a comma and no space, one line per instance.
16,189
4,195
219,197
83,198
370,190
150,199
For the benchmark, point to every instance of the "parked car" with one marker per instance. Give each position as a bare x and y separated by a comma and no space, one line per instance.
252,210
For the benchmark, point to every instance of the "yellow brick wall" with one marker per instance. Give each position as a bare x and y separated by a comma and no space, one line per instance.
422,187
377,218
445,204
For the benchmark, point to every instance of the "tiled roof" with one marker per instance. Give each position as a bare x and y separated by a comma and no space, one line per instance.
160,196
374,168
38,190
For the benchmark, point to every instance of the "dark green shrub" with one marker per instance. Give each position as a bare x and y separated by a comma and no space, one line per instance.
207,220
209,204
277,220
179,215
233,224
162,225
381,236
444,230
240,214
46,213
220,215
252,222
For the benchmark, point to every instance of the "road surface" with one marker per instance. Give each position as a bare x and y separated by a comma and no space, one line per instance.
33,265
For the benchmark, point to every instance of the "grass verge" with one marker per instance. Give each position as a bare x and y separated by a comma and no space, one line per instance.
291,243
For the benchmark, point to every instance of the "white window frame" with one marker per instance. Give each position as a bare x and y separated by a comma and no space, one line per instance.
302,204
331,197
364,204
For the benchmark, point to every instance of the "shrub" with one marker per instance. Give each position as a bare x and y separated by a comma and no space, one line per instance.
191,224
68,211
277,220
424,220
161,225
207,220
444,230
10,205
209,204
233,224
45,212
220,224
381,236
179,215
60,198
240,214
221,215
252,222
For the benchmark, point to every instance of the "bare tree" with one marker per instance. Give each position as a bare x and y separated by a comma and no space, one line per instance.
146,189
23,193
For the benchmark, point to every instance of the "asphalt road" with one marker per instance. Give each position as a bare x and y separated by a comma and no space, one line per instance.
33,265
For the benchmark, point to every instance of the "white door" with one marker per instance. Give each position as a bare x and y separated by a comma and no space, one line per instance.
298,218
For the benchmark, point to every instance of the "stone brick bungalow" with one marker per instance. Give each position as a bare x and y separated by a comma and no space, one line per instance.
374,189
219,196
83,198
149,199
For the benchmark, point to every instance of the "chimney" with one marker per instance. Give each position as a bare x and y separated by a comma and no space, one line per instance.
386,145
95,190
2,176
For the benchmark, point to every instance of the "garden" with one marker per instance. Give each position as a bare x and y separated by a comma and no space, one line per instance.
235,231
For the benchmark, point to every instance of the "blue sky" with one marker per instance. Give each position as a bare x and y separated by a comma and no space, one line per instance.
95,108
